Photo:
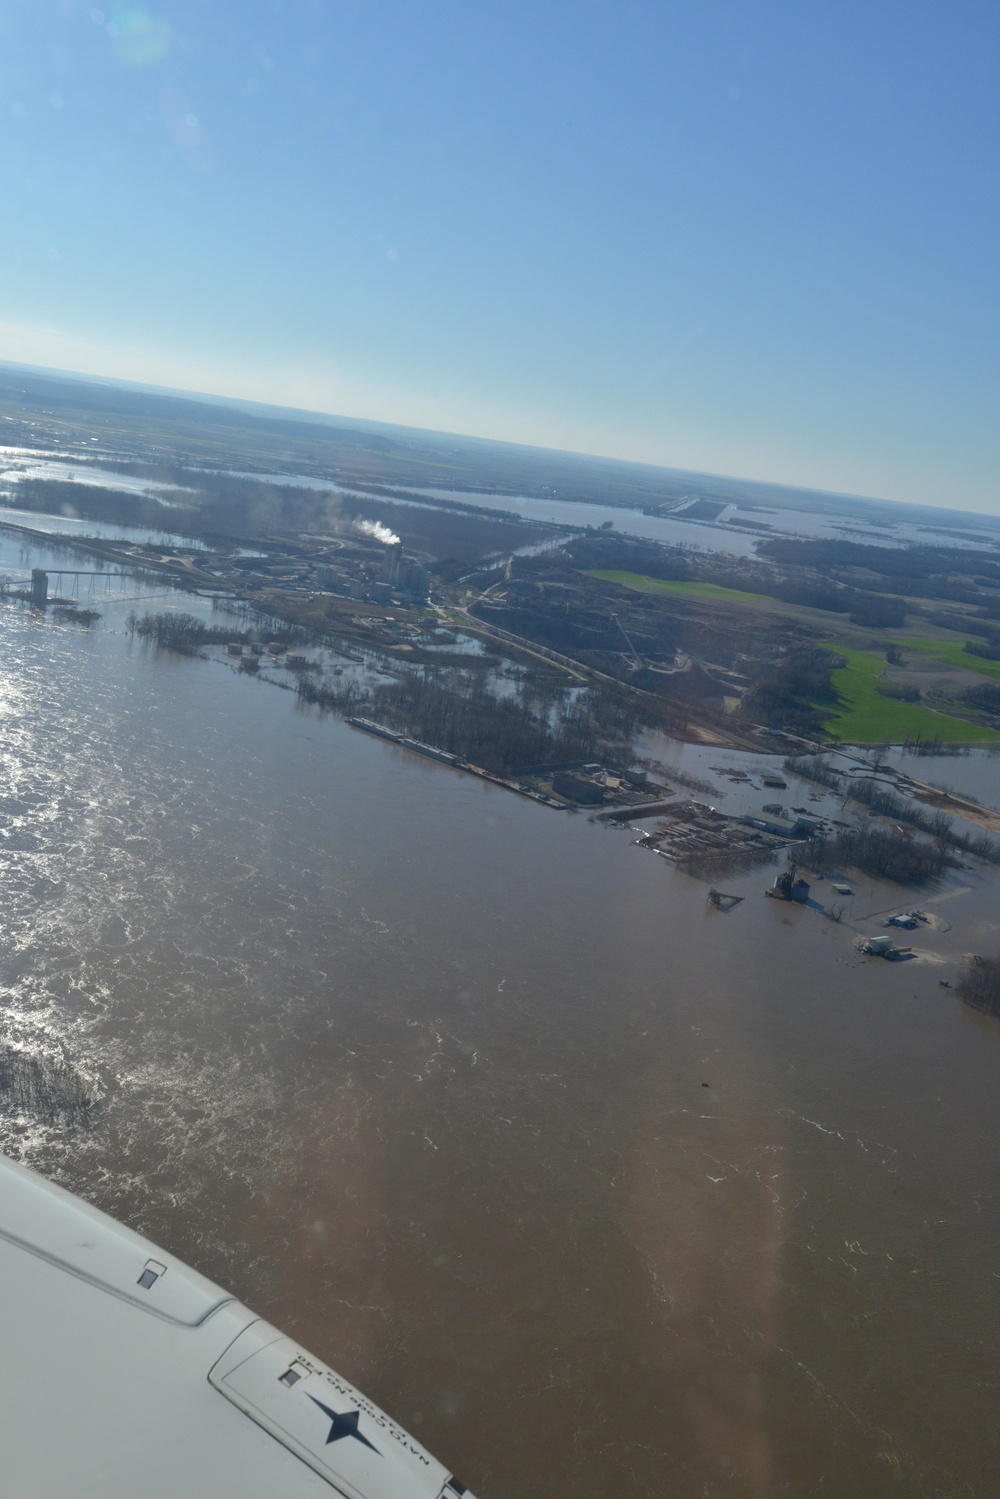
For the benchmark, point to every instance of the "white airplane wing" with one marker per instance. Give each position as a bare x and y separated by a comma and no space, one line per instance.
126,1375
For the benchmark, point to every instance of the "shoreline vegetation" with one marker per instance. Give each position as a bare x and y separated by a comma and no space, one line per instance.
883,801
499,733
979,986
462,717
884,853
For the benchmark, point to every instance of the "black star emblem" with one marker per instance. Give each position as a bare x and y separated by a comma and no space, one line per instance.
343,1425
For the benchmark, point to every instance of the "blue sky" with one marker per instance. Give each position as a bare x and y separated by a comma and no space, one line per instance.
751,238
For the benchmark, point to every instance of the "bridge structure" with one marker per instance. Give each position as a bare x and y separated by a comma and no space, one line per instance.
134,576
39,590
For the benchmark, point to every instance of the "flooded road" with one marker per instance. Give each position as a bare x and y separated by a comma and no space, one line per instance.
598,1190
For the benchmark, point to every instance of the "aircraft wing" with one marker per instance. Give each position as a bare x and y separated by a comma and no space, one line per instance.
127,1375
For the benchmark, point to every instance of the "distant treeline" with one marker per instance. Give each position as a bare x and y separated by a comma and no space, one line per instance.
616,554
933,572
911,563
673,563
116,507
987,652
981,624
230,506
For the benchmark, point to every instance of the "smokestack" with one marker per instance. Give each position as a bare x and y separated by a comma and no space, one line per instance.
391,563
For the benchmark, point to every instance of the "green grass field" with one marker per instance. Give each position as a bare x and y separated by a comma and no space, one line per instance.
950,652
863,717
661,585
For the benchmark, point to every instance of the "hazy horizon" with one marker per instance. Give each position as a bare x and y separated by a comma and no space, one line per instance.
272,410
722,239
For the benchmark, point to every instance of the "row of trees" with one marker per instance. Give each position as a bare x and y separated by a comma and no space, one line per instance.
463,716
979,985
987,652
900,692
882,852
883,801
815,768
985,695
184,633
64,497
888,803
178,632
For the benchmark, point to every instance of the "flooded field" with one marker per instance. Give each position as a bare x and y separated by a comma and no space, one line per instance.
969,772
598,1189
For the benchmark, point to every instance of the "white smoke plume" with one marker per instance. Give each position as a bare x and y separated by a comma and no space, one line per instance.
375,528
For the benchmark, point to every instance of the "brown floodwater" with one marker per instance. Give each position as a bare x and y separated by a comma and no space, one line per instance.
597,1189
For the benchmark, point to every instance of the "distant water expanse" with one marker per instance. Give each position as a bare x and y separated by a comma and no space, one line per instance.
27,463
970,772
73,527
762,510
716,536
492,1109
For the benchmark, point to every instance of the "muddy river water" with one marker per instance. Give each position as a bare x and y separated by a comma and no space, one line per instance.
599,1190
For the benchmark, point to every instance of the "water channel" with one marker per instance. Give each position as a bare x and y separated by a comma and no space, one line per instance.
597,1189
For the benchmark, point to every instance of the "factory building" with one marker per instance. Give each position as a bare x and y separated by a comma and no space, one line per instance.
391,563
414,580
577,789
782,827
404,573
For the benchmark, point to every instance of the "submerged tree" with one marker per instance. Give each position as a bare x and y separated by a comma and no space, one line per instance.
886,853
979,985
